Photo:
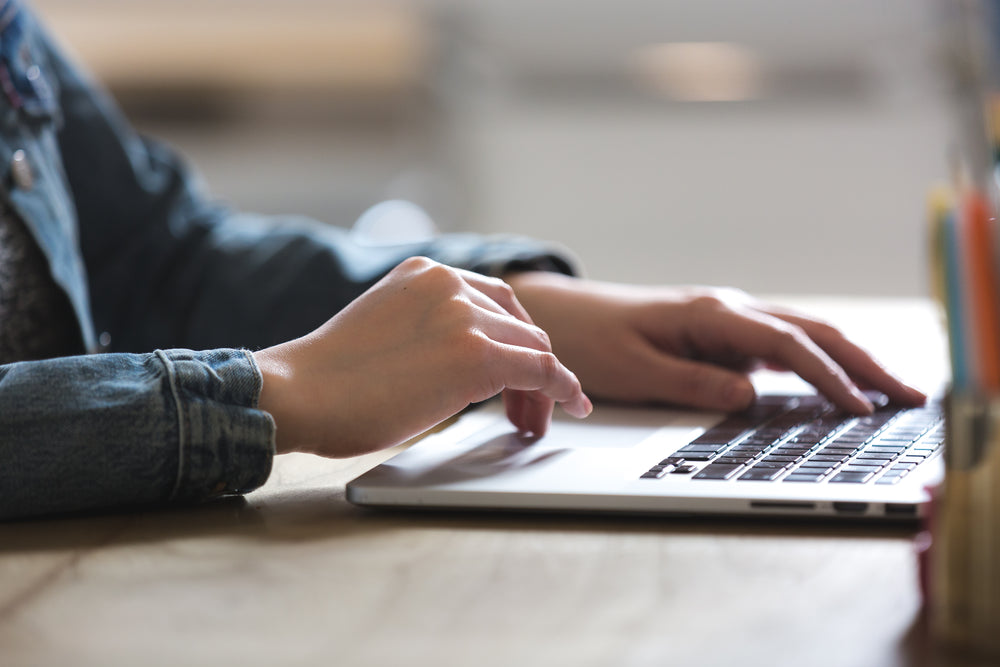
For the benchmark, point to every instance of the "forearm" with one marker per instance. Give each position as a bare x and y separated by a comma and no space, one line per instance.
106,431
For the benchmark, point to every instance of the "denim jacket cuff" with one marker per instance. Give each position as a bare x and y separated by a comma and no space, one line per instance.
502,254
226,444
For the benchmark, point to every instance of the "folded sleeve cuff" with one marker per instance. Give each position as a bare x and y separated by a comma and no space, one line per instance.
225,443
509,254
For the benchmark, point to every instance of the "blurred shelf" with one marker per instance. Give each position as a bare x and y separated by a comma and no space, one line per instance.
249,46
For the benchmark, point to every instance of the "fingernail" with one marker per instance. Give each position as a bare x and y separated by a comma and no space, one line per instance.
580,407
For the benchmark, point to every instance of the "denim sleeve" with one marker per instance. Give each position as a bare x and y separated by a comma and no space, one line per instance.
112,430
168,267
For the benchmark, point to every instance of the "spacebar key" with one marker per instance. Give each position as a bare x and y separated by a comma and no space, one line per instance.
719,471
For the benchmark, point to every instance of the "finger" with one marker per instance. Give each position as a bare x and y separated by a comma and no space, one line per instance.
696,384
524,369
855,360
777,341
497,290
530,412
500,326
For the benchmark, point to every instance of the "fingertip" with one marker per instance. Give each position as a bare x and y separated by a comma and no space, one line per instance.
534,414
914,396
861,404
738,395
536,426
580,407
513,404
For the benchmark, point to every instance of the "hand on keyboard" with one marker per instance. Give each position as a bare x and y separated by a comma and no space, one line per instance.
695,346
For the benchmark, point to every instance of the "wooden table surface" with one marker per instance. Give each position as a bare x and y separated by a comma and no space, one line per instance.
294,575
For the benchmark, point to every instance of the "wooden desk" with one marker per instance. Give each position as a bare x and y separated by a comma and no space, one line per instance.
294,575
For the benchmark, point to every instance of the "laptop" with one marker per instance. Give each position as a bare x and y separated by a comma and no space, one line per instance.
791,454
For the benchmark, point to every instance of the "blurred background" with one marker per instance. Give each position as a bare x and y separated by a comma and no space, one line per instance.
779,145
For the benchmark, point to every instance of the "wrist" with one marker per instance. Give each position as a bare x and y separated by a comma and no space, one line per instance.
276,387
525,282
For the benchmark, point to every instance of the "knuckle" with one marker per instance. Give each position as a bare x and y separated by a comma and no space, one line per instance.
542,336
503,287
416,264
477,349
708,302
456,312
789,335
827,330
437,277
720,298
548,365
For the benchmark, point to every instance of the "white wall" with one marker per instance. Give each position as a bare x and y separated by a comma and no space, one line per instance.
535,126
819,186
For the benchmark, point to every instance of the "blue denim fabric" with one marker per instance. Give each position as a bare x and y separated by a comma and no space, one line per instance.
148,259
123,429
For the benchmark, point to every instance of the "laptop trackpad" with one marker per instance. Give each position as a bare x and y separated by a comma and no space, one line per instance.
493,447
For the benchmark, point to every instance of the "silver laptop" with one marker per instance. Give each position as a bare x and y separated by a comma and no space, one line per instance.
791,454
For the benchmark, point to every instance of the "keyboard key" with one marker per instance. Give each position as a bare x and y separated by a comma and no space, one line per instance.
726,458
716,441
851,467
700,448
801,476
832,450
758,441
877,419
774,458
719,471
672,461
762,474
658,471
851,477
719,435
855,439
796,451
698,456
885,448
818,465
740,450
878,459
767,463
832,458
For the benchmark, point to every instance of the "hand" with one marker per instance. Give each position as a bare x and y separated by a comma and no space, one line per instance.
694,346
415,349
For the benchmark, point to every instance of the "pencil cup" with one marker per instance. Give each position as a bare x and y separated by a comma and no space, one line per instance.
964,595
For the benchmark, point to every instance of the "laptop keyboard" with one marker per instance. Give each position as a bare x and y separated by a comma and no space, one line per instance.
805,439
